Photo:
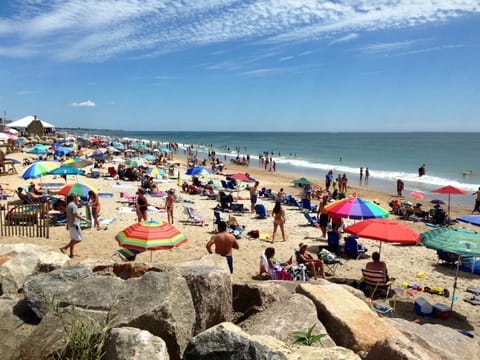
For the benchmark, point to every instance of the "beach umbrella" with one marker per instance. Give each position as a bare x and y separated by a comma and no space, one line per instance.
461,241
470,219
41,146
77,188
37,151
150,235
241,177
164,150
198,170
450,190
417,195
65,170
148,157
136,161
302,181
11,131
437,202
77,162
384,230
5,136
355,208
62,150
38,169
155,171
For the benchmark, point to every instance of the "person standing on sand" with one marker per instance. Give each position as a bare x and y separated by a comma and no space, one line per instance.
253,196
367,174
224,243
73,224
361,173
94,203
169,206
400,186
477,201
278,220
323,216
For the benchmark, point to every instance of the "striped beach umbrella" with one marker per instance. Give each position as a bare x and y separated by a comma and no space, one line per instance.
355,208
77,188
77,162
155,171
38,169
150,235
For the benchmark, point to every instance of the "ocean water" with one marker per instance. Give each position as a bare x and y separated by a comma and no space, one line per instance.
450,158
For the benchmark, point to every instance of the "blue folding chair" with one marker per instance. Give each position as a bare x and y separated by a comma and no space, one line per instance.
261,211
353,249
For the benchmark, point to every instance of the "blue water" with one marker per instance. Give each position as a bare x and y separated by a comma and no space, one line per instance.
389,156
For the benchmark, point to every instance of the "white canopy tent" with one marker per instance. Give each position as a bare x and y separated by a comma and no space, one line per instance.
23,123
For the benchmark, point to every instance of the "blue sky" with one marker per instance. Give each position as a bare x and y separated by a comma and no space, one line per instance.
281,65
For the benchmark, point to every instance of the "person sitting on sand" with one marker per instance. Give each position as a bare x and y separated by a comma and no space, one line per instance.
306,257
268,263
377,265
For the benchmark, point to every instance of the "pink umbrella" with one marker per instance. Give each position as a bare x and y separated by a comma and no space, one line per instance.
449,189
417,195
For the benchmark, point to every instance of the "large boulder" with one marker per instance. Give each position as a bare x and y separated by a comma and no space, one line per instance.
394,348
42,290
348,320
13,329
157,302
17,261
443,341
130,343
251,298
294,313
211,289
50,261
227,341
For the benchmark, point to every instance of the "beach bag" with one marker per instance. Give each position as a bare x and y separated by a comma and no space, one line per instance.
298,273
282,274
327,256
254,234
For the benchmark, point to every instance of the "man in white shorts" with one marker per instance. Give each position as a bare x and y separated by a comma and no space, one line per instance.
73,223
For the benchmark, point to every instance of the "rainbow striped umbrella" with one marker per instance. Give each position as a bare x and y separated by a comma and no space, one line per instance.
77,188
39,168
355,208
150,235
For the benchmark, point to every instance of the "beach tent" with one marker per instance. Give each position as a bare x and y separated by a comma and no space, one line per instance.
23,123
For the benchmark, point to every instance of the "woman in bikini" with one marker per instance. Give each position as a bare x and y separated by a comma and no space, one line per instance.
278,220
169,206
141,206
95,204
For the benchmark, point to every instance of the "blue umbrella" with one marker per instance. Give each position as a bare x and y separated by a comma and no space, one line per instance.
37,151
62,150
67,170
198,170
38,169
470,219
148,157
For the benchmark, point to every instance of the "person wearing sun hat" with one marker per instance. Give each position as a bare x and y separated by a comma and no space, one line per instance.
306,257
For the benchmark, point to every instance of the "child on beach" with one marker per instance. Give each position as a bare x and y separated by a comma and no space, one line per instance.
169,205
94,202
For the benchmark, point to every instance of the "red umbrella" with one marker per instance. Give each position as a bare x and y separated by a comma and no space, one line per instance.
241,177
449,189
417,195
384,230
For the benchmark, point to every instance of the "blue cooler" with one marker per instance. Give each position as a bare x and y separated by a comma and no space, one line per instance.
423,307
441,311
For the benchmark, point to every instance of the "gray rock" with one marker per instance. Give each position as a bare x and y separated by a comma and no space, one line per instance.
348,320
17,261
50,261
42,290
133,344
211,290
443,341
331,353
394,348
251,298
295,313
227,341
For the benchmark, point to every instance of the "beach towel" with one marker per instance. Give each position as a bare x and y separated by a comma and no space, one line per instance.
106,221
124,186
105,195
474,300
473,290
159,194
264,236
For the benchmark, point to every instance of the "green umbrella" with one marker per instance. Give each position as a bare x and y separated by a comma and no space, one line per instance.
302,181
461,241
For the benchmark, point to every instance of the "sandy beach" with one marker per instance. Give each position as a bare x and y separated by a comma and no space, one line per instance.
404,262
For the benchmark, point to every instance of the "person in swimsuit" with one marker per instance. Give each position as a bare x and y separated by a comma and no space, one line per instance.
323,216
278,220
141,206
95,204
169,205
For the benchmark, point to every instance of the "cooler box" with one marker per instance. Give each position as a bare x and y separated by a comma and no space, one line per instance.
423,307
441,311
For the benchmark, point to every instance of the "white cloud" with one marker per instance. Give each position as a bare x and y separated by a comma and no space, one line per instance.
346,38
387,47
89,30
87,103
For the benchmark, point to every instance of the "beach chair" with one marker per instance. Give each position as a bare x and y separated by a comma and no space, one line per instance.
217,218
306,204
353,249
375,280
446,257
312,220
126,254
224,184
261,211
294,202
193,216
333,238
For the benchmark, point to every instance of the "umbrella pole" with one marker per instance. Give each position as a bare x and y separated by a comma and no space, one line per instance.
455,283
448,207
151,255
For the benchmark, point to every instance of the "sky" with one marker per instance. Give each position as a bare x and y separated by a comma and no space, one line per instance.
248,65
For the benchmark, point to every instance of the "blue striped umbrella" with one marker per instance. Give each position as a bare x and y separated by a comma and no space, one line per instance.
38,169
198,170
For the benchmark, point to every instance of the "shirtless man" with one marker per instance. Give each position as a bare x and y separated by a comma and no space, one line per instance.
253,196
224,243
377,265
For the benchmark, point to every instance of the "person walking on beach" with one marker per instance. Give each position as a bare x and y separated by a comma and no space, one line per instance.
73,224
328,179
278,220
253,196
169,206
94,203
224,243
367,174
361,173
323,216
400,186
141,207
477,201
